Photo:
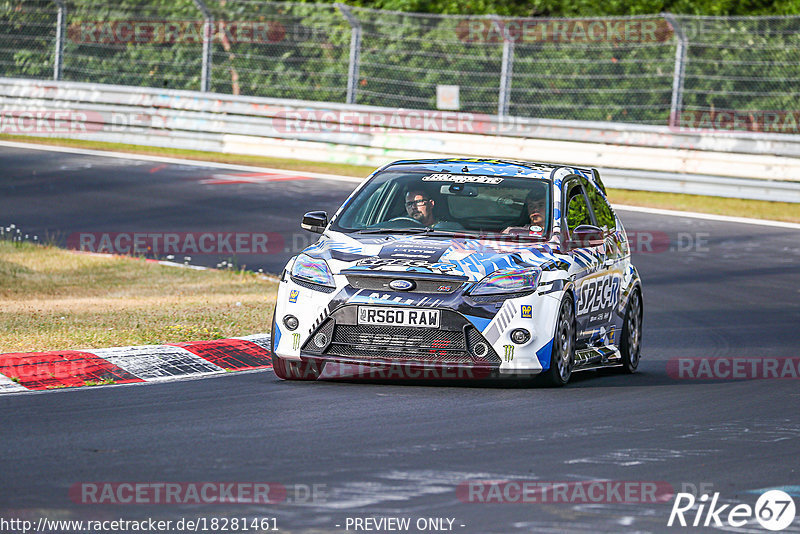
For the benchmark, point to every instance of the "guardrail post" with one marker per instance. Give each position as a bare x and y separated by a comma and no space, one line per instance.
61,22
506,68
355,51
208,36
680,70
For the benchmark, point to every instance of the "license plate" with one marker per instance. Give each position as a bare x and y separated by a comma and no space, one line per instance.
416,317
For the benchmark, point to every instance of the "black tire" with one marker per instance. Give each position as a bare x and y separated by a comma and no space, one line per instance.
631,343
562,357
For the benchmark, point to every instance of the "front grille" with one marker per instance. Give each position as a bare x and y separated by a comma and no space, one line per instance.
415,343
457,341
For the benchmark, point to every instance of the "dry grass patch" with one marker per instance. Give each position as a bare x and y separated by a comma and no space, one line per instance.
55,299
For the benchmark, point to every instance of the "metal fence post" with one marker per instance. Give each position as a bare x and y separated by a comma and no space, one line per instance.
506,68
61,22
208,35
355,51
680,70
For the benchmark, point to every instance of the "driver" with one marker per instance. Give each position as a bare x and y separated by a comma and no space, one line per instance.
420,208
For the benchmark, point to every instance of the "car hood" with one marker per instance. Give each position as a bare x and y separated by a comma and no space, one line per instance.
472,259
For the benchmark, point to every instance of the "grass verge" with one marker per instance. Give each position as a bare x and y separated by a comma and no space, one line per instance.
55,299
756,209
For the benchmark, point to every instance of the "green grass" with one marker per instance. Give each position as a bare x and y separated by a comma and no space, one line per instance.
56,299
758,209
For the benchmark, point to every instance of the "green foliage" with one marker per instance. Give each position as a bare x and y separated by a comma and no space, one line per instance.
304,49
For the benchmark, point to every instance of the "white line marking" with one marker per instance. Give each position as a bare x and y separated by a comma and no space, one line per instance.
339,178
177,161
709,216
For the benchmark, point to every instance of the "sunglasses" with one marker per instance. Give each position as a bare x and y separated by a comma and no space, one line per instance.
420,202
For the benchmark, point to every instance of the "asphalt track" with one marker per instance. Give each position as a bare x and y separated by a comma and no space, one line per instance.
377,450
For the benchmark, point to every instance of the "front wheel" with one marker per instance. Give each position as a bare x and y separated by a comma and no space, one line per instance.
631,343
562,357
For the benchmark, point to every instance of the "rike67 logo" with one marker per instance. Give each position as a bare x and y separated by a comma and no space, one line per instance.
774,510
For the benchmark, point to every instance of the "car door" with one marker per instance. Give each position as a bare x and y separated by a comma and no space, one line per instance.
594,283
612,255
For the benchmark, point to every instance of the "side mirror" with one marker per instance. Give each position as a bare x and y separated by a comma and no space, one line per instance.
315,221
586,235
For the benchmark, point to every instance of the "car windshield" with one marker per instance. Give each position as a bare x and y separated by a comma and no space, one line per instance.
403,201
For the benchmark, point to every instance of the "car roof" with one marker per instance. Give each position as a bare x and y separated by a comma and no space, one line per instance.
488,166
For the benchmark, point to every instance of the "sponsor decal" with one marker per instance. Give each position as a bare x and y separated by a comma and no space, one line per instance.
508,352
415,250
295,341
598,293
444,289
462,179
293,294
526,310
390,263
402,285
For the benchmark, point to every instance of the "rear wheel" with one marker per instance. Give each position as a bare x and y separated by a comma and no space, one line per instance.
562,357
631,344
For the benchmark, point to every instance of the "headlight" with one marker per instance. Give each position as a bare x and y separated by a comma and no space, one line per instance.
508,281
312,270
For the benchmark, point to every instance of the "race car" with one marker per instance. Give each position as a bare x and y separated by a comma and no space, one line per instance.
462,268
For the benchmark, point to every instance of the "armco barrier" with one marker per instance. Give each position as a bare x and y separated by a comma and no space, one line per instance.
738,164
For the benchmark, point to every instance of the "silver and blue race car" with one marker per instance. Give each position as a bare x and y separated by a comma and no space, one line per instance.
462,268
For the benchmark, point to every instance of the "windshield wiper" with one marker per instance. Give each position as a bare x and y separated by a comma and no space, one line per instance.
413,230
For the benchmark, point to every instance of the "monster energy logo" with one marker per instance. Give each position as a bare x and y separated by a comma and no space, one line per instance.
295,341
509,352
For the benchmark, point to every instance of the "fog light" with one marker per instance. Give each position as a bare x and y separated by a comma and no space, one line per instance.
520,336
480,349
320,340
291,322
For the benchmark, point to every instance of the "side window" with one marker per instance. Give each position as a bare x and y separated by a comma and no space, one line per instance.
602,211
577,209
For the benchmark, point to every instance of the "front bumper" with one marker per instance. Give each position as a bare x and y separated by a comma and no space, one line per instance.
456,344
